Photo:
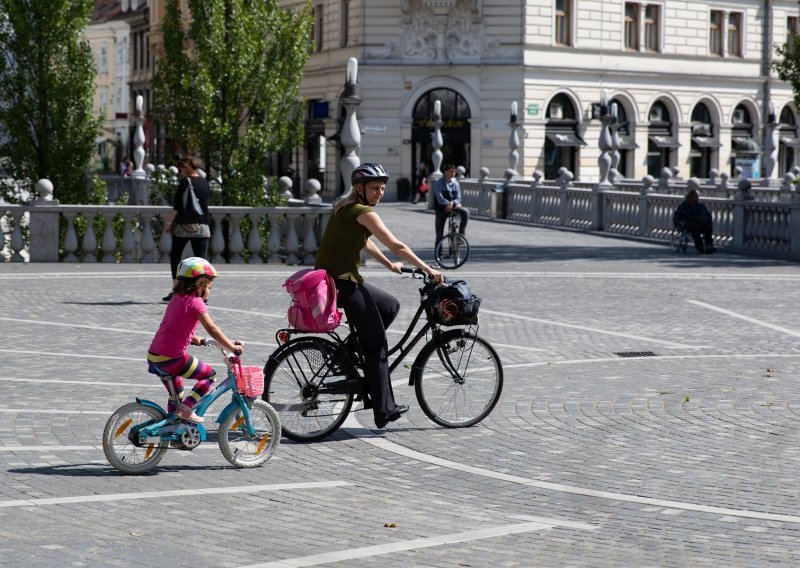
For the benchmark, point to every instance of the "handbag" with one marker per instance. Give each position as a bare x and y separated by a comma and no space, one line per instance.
191,210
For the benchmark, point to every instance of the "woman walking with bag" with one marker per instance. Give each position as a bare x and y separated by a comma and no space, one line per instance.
189,219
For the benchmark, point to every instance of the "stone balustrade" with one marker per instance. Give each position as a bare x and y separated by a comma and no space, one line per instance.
113,233
746,219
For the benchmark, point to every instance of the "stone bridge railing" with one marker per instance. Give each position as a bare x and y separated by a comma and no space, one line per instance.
741,223
47,232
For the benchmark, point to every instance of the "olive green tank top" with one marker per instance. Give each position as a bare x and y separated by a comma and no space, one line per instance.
344,238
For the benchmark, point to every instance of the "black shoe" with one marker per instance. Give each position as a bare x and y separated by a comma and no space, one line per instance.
398,412
392,416
167,298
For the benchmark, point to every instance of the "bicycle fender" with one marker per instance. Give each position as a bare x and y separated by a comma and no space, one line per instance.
232,407
145,402
274,355
416,367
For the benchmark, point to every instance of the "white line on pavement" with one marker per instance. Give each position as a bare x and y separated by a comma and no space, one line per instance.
533,524
100,328
173,493
507,366
66,382
745,318
353,427
584,328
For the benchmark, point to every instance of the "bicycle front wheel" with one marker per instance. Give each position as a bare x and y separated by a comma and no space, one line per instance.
244,450
299,385
452,251
458,379
122,448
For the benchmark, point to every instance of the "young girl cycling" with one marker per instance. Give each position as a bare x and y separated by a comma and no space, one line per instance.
167,353
369,309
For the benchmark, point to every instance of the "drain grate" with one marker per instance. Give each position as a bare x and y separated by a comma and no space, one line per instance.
636,354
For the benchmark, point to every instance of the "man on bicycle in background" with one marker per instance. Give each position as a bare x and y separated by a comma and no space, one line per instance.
447,199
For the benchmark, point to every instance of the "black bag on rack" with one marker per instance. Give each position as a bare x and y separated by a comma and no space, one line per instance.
453,303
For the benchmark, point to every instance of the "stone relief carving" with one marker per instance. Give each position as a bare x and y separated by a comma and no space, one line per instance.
440,30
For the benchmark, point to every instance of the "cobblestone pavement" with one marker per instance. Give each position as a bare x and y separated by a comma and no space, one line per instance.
684,454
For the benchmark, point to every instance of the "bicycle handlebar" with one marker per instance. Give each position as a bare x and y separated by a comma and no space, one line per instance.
213,343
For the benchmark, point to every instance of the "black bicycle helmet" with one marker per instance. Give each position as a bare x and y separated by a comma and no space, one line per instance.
368,172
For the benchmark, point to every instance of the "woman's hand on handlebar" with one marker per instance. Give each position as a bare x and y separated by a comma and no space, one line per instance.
432,275
396,267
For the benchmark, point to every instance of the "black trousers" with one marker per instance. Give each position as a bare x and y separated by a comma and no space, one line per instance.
199,248
441,219
701,234
371,311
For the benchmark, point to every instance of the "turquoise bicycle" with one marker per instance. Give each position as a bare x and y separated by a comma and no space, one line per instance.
138,434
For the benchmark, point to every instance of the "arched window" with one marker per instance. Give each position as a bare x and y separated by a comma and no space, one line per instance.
661,143
704,142
455,130
562,142
788,141
745,149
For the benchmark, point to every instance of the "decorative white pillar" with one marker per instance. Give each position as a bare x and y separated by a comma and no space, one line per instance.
139,194
437,142
770,152
615,154
351,134
604,160
138,141
513,143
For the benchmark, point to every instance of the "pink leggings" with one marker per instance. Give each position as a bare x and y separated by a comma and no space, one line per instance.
179,368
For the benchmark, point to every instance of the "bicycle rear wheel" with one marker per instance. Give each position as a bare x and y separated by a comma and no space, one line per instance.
244,450
452,251
122,449
299,384
458,378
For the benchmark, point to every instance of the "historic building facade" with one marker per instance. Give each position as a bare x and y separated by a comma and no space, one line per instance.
689,80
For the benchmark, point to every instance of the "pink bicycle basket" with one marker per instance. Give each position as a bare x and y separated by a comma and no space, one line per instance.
249,380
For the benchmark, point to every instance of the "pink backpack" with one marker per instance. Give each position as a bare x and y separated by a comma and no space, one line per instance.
313,306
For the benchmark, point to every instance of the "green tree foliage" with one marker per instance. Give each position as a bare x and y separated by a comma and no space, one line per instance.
230,94
47,77
788,68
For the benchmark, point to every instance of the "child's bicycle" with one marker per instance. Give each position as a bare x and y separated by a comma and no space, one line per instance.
138,434
452,250
313,380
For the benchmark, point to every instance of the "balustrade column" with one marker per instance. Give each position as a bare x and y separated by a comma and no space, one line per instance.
148,244
17,242
292,240
109,241
274,241
254,239
70,238
128,242
235,242
217,241
89,242
310,239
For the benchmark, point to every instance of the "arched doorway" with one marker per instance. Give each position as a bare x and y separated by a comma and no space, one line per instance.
661,143
455,130
745,149
787,141
704,142
561,143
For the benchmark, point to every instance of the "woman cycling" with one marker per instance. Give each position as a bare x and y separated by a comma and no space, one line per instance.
369,309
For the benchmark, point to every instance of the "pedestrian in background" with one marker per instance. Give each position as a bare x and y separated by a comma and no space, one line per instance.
187,223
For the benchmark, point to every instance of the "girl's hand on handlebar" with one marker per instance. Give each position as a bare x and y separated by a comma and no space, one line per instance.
396,267
238,348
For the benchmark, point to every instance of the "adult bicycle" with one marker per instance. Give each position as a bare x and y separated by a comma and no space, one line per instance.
452,250
138,434
312,381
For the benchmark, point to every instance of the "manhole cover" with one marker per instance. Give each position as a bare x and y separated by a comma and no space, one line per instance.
636,354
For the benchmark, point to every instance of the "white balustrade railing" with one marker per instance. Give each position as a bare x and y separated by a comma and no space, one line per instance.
742,221
135,234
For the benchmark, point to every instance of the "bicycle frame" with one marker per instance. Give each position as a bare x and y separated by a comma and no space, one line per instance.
170,428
